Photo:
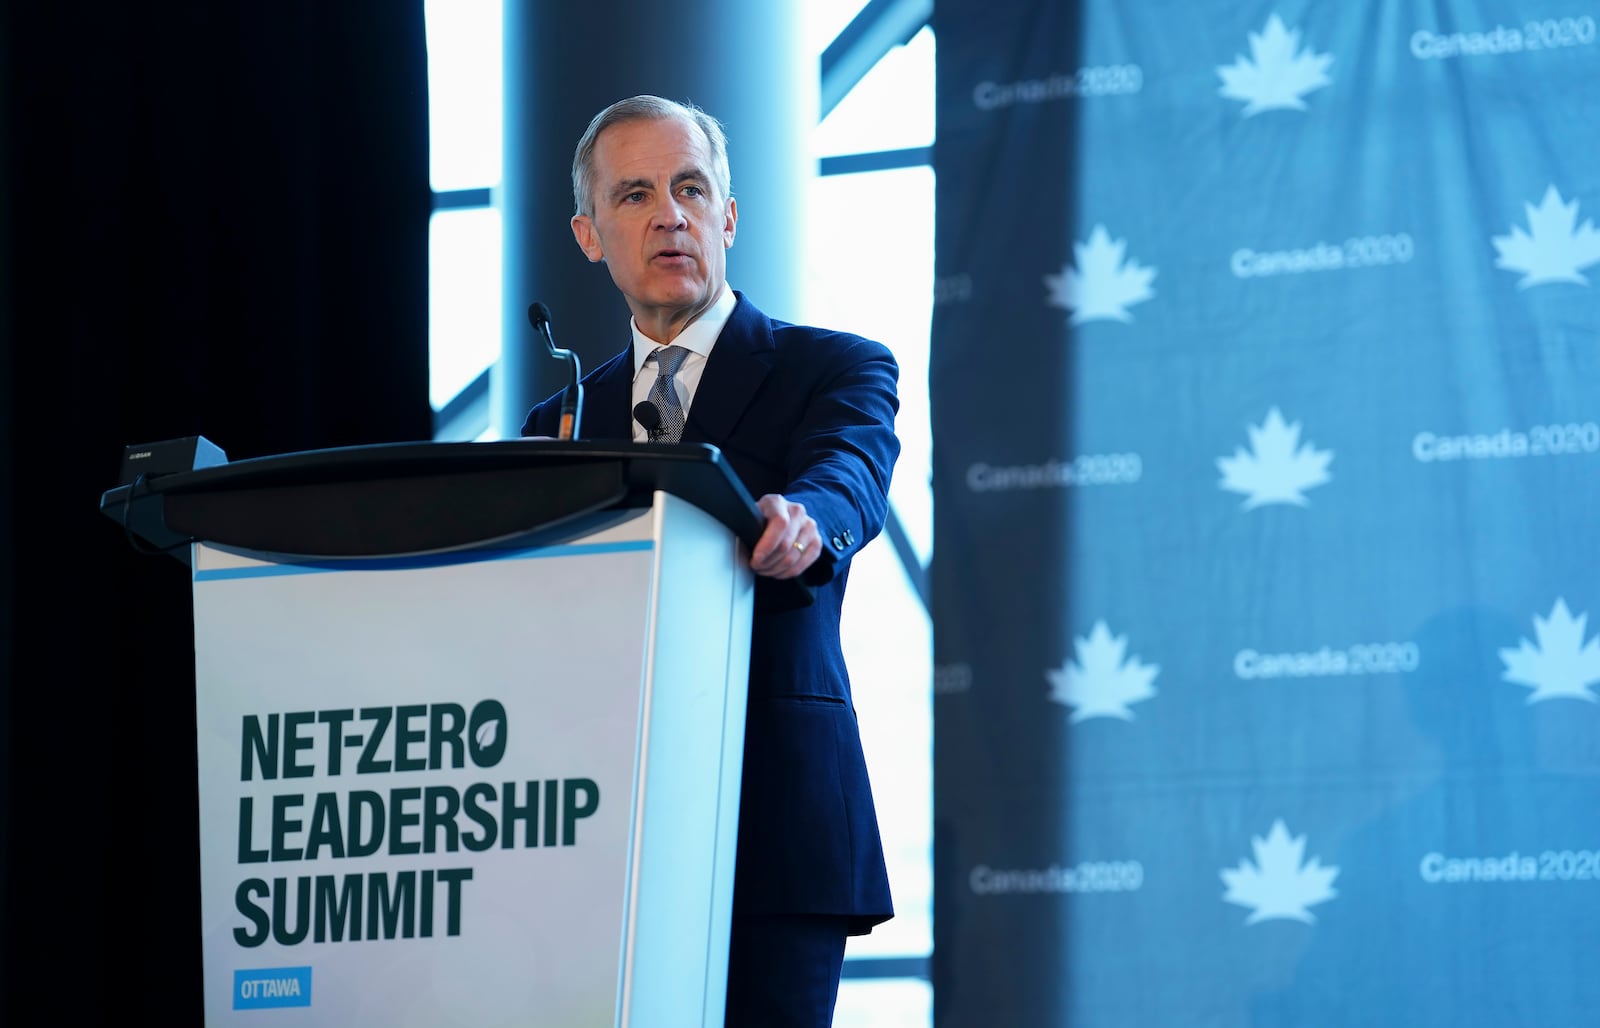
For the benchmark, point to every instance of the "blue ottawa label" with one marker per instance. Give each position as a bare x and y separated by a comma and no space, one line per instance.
264,987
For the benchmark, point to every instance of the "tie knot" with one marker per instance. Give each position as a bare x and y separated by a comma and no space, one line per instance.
668,359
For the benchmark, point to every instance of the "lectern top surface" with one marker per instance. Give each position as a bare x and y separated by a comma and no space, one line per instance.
458,492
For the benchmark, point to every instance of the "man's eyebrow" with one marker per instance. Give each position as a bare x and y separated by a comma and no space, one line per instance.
626,186
690,174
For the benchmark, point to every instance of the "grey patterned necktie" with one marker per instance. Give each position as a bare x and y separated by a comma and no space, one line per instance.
665,395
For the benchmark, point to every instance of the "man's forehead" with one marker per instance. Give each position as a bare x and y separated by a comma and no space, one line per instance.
672,141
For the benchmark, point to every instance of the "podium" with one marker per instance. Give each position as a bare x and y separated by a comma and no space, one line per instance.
470,726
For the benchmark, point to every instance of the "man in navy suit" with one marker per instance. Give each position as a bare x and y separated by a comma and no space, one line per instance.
806,418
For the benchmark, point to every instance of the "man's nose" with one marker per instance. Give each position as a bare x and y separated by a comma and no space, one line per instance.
668,212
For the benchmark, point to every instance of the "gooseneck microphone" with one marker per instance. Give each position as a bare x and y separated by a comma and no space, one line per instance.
572,398
646,414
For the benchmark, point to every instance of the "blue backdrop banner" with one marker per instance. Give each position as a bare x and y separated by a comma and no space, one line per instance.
1266,401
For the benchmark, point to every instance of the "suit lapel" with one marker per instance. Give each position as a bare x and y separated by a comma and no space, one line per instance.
738,364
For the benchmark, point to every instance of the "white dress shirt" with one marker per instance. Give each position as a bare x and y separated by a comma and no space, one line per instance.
698,339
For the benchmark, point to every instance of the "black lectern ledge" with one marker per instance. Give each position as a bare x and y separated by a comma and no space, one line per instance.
470,716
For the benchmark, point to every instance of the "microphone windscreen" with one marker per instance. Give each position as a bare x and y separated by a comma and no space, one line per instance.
538,315
645,413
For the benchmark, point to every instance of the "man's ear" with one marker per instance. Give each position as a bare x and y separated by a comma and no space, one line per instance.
730,223
588,239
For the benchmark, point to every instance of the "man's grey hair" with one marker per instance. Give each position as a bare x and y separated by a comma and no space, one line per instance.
646,108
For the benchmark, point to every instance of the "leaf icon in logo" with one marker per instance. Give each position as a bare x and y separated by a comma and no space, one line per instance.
1279,886
1101,683
1277,468
1561,664
1102,287
1555,249
1277,74
487,733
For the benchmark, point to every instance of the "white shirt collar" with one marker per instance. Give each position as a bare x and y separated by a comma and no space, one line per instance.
699,337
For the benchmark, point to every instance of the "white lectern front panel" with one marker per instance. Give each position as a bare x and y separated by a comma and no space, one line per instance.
420,781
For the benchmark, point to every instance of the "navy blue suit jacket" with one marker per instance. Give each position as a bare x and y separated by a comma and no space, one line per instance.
808,413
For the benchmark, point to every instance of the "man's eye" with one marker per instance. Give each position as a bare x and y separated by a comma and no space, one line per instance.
693,191
633,197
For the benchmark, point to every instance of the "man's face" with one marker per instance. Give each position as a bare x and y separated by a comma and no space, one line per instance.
658,222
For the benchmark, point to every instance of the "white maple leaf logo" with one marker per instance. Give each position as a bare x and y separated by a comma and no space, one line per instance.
1101,287
1278,468
1555,249
1279,886
1561,664
1100,683
1277,74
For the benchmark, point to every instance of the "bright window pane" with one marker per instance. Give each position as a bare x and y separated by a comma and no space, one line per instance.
464,93
463,298
892,1003
888,644
885,292
889,109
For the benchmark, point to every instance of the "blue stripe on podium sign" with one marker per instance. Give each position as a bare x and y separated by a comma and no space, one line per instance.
412,562
265,987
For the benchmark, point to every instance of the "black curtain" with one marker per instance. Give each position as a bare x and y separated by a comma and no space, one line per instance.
215,222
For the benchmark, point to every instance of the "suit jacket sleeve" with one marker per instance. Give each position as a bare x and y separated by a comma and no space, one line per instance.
843,450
